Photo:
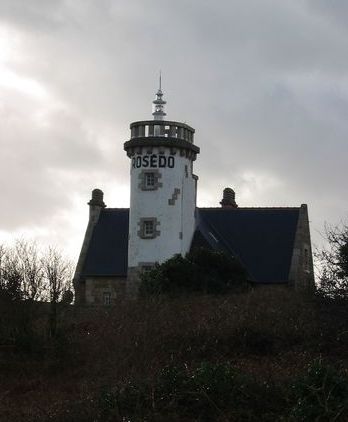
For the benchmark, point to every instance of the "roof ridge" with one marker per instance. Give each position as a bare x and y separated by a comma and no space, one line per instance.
248,208
114,209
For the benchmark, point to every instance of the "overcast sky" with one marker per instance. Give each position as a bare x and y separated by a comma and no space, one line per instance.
264,83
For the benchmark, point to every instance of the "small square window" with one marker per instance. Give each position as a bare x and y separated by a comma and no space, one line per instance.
149,228
107,298
149,180
147,268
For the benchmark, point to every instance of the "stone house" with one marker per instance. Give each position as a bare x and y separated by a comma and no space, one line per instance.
273,244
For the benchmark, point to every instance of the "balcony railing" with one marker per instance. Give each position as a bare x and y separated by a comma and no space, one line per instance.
162,128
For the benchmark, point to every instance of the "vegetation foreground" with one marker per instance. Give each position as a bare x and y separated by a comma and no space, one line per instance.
263,355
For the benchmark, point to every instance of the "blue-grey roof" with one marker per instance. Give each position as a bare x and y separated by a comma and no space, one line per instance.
107,254
262,238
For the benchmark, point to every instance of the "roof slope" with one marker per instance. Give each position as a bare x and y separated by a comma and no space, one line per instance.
262,238
107,253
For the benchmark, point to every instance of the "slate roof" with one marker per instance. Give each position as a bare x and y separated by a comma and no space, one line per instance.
262,238
107,254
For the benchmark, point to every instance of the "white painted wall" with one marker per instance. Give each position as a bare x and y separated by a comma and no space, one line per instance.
154,204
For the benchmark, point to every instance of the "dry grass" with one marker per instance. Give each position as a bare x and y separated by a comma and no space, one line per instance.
270,335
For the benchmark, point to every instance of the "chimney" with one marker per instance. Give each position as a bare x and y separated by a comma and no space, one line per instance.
228,199
96,204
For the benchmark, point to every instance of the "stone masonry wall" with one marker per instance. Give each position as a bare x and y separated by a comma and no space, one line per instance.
301,274
97,287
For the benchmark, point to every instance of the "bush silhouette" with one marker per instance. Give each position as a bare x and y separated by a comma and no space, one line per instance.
201,271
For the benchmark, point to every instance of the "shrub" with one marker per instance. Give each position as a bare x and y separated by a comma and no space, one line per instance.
321,394
218,271
201,271
209,392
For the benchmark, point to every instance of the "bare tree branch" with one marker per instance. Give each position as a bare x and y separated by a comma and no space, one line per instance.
333,262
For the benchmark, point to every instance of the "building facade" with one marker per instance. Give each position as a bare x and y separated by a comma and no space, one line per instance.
273,244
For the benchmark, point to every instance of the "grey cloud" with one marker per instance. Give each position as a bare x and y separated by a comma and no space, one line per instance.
264,84
30,155
333,11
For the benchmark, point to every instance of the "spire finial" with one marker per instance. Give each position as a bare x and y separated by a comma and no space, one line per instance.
158,109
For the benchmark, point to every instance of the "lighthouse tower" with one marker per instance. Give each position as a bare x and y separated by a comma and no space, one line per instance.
163,190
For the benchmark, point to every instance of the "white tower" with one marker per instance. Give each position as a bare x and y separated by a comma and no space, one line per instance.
163,190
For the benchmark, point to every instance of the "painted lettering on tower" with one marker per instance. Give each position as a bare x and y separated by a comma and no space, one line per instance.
153,161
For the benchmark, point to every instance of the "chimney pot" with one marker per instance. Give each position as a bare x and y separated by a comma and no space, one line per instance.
97,198
229,199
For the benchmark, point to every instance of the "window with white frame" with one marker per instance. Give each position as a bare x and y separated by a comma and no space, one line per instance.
147,268
149,180
106,298
149,228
